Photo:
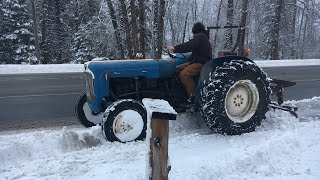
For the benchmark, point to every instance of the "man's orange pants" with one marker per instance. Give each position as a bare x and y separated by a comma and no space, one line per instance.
186,72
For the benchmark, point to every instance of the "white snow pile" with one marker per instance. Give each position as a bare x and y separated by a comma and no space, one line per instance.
61,68
295,62
40,68
283,147
158,105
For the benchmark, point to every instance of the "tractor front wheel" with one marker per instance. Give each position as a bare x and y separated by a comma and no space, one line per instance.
125,120
83,112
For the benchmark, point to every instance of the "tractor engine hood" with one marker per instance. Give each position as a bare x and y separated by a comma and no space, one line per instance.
148,68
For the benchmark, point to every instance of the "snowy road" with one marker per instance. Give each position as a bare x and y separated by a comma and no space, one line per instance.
38,100
45,100
282,148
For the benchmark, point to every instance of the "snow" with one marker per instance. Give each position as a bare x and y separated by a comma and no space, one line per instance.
283,147
10,36
96,119
297,62
22,31
48,68
158,105
60,68
99,59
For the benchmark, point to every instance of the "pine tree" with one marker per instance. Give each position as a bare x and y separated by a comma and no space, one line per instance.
56,41
16,38
44,43
264,30
90,37
83,45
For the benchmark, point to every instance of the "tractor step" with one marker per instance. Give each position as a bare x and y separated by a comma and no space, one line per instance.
290,109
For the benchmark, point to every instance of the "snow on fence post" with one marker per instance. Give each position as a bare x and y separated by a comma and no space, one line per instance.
159,114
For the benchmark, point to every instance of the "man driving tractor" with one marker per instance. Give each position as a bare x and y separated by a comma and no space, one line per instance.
201,49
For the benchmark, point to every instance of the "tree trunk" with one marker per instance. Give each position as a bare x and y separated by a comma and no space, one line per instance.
195,10
204,11
134,27
155,26
185,27
160,29
216,33
141,27
125,24
116,30
44,23
173,30
243,23
299,34
58,29
293,29
303,21
275,36
228,44
77,16
35,27
303,38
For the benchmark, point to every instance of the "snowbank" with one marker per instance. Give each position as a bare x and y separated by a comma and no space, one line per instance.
61,68
40,68
295,62
283,147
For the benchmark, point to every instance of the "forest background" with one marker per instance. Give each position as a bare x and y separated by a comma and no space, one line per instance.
76,31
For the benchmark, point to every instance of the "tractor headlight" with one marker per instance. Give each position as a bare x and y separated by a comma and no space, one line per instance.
89,86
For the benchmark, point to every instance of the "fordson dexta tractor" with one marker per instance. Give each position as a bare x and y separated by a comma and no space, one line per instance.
233,94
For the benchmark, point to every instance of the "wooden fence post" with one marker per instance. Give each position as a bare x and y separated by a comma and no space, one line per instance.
160,113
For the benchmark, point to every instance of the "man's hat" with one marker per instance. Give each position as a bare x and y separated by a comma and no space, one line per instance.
198,28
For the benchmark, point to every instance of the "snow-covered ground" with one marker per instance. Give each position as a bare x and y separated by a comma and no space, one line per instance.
283,147
59,68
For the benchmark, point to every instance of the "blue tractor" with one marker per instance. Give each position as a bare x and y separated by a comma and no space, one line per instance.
233,94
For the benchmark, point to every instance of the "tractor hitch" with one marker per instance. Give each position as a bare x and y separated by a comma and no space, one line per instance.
291,110
277,87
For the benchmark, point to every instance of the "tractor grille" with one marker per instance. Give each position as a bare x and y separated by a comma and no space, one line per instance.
89,86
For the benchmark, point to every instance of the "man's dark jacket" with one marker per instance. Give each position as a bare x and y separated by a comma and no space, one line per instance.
200,47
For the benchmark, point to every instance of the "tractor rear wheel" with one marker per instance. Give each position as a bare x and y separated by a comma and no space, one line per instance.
235,98
125,120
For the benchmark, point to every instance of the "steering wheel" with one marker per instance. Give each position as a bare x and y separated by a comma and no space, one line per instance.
183,55
170,54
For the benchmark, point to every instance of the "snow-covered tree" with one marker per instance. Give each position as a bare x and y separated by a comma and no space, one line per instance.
55,32
83,47
92,40
16,37
81,29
